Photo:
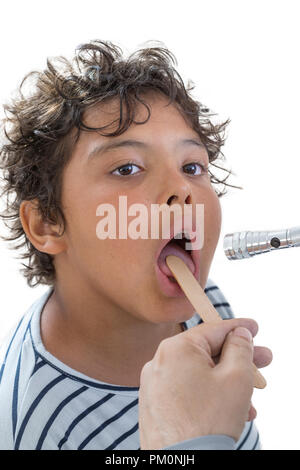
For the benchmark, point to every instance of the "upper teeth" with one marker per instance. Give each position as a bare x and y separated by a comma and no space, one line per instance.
184,235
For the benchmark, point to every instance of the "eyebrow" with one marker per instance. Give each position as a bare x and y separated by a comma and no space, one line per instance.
102,148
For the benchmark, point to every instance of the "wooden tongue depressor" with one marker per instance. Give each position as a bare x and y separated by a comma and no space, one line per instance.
200,301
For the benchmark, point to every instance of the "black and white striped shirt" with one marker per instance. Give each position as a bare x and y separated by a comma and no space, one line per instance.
44,404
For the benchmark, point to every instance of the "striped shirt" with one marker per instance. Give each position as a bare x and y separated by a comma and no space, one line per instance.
46,405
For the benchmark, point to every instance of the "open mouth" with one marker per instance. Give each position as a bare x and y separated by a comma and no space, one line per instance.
178,247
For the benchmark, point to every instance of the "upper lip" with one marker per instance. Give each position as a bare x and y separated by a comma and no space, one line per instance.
195,255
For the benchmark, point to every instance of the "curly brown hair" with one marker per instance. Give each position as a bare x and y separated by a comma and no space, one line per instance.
37,135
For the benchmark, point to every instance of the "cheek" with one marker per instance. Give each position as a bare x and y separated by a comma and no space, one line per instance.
108,259
212,228
212,225
119,269
213,218
87,220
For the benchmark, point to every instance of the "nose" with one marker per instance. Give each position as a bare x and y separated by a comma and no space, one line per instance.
176,194
177,190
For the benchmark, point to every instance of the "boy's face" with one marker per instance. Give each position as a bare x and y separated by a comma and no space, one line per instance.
124,271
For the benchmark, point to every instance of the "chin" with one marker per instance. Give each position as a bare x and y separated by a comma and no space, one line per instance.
175,314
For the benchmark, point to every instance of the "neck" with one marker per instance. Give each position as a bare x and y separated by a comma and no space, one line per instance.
96,338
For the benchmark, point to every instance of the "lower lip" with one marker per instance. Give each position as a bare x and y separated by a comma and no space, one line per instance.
169,288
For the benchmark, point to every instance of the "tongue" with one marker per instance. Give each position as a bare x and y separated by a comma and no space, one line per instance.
173,249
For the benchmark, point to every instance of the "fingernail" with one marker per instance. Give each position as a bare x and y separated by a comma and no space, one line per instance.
243,332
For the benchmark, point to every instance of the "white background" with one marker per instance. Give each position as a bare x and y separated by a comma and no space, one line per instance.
244,58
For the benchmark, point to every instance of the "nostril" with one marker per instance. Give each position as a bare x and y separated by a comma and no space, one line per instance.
171,199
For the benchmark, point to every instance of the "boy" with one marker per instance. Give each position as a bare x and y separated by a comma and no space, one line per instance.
92,130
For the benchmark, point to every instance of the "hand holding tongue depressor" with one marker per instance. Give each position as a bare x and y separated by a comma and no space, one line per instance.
200,301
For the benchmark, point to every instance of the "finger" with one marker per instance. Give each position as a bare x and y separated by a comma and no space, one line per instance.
212,335
252,413
237,352
262,356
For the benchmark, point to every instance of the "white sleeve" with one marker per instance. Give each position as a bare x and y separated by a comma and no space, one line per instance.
210,442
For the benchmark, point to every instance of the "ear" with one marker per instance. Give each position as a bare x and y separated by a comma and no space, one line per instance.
44,236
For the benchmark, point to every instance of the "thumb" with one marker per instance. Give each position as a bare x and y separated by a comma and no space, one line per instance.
237,351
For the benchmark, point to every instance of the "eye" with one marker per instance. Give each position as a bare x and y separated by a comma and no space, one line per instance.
125,170
193,170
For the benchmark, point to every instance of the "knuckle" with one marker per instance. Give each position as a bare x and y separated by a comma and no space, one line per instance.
163,347
162,353
169,351
169,345
146,370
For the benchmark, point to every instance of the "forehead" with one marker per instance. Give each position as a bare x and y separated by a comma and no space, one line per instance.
162,114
